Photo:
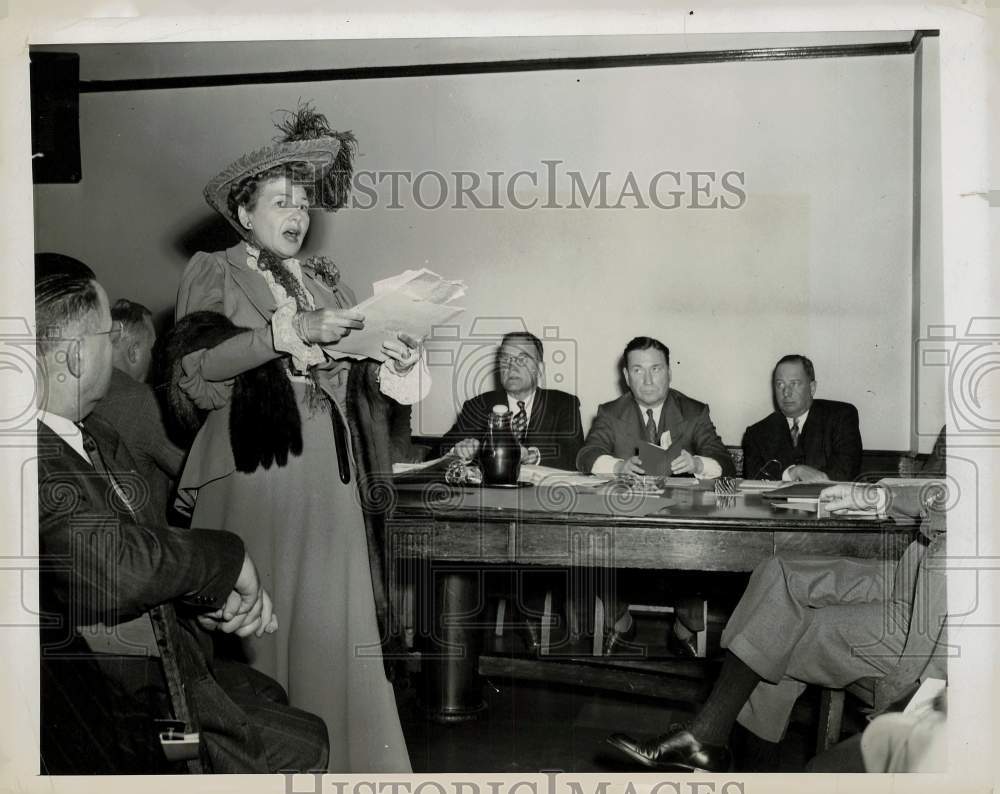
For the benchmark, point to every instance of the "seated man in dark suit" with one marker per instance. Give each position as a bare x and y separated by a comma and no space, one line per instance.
114,578
131,407
547,421
804,440
654,412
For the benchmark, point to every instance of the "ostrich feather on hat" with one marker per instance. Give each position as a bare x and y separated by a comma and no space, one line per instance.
306,139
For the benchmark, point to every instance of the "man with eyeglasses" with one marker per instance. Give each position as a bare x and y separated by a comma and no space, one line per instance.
805,439
546,421
127,597
131,407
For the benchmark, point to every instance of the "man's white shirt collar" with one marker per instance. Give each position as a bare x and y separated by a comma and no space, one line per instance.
656,409
802,421
66,430
528,403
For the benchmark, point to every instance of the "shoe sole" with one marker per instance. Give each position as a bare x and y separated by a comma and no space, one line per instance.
653,764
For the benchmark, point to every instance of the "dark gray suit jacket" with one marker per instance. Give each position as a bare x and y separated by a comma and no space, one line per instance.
830,442
619,427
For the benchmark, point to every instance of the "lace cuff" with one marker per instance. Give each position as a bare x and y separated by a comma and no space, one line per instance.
286,340
405,389
207,395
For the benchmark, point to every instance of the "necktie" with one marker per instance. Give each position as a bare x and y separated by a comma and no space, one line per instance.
94,453
795,432
520,423
650,427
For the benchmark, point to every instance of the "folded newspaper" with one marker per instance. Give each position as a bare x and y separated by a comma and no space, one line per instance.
411,303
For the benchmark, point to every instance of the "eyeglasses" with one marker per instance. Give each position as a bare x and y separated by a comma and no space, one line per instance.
113,333
521,360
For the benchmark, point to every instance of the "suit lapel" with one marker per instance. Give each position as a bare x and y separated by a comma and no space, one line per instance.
812,434
638,414
671,418
782,431
537,411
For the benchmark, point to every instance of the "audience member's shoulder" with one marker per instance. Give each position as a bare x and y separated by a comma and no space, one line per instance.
617,405
762,425
486,397
835,406
686,403
102,429
205,262
122,390
557,396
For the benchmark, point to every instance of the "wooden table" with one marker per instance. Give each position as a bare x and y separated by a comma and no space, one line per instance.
463,530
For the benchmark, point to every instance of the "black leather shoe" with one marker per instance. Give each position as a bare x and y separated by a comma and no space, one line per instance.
618,641
684,648
675,752
531,635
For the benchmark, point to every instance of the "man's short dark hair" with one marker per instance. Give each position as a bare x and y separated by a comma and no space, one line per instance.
65,292
523,336
796,358
645,343
130,314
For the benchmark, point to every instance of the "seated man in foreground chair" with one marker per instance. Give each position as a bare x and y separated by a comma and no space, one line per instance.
813,621
804,440
116,658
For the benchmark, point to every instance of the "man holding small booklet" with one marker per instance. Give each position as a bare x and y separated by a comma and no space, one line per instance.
654,430
653,413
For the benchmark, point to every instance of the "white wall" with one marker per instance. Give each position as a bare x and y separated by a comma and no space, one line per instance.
818,260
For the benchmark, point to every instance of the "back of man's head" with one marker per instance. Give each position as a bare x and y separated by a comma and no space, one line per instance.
133,348
65,295
72,336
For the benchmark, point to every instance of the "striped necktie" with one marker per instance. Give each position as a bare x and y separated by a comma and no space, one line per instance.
795,432
650,426
520,422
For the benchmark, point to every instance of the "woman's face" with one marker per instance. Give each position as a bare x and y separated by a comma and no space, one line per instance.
279,219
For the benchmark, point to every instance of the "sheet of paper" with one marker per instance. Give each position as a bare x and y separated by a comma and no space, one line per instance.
412,303
421,284
547,475
386,316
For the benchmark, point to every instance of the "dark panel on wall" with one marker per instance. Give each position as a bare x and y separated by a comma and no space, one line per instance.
55,117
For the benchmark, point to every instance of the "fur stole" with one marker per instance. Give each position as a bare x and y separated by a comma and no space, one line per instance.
264,421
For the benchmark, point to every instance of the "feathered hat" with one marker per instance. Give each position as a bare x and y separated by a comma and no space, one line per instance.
306,138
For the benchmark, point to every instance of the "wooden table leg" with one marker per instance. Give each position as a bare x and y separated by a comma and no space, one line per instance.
454,689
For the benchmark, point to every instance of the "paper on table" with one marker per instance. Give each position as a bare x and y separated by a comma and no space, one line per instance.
548,475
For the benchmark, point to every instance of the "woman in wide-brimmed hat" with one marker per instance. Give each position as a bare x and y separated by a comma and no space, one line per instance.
287,433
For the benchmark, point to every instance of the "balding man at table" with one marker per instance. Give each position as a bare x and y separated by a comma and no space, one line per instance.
805,439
